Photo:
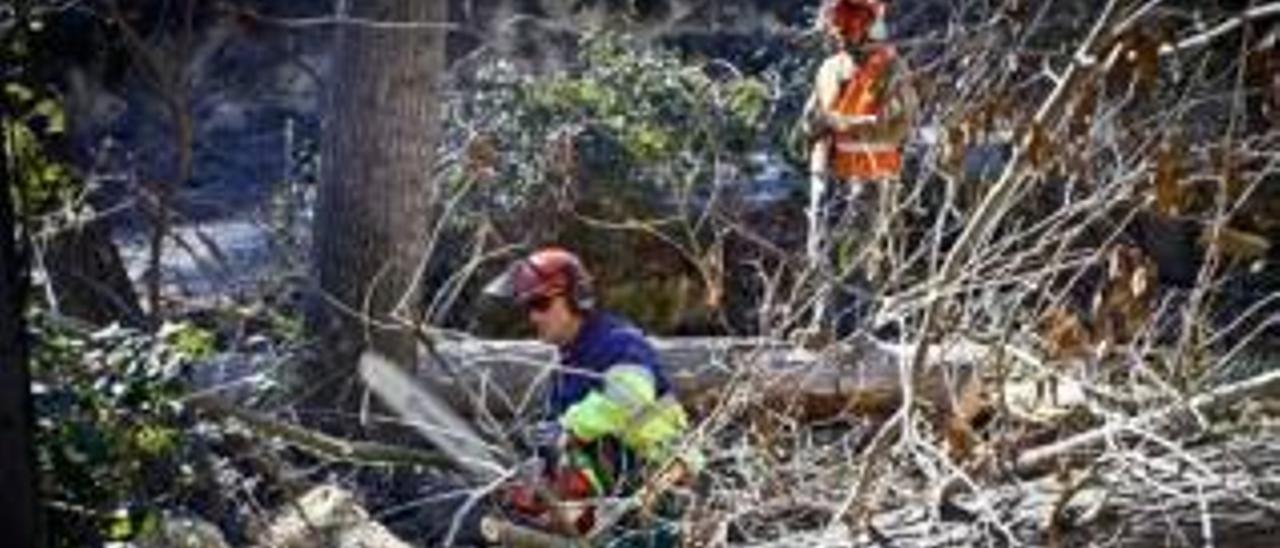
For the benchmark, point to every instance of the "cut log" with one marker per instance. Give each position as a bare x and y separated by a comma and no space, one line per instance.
326,516
182,532
501,532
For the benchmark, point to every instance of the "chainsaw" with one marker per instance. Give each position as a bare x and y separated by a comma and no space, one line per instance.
558,503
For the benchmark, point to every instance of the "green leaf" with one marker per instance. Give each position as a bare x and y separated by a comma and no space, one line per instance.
155,441
121,525
52,173
19,92
747,100
53,114
150,524
188,341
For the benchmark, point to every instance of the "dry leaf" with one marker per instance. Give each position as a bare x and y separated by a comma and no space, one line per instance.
482,156
1237,244
953,152
1144,53
1038,149
1168,180
1065,335
1123,306
1082,113
1139,62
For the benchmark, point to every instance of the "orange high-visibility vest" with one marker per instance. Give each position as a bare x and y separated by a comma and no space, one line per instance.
855,159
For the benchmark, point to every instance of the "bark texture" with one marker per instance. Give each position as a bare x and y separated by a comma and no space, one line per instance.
375,202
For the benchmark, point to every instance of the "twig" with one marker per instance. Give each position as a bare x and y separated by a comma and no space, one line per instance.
321,444
1218,398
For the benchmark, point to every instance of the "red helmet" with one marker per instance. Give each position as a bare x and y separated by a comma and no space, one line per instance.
547,272
853,18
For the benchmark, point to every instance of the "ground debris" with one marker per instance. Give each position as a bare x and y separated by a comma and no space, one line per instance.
326,517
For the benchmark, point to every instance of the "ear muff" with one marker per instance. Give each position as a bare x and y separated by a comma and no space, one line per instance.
585,299
582,288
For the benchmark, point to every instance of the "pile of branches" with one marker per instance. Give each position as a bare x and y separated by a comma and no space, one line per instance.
1196,472
1067,374
1114,407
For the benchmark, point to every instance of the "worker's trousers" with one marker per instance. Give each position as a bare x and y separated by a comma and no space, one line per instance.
841,233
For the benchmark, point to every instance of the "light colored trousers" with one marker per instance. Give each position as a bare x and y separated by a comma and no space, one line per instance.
841,218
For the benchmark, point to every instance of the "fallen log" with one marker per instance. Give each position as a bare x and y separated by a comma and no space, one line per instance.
862,376
508,377
858,377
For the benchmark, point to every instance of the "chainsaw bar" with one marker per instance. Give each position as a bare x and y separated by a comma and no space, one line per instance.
430,416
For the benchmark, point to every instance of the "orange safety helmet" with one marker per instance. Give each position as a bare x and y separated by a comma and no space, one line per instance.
547,272
853,19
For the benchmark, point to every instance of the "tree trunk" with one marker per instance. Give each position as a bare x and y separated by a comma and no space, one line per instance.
19,514
374,208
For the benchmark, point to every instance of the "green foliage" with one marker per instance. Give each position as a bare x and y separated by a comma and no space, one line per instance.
42,181
32,124
622,154
187,342
627,130
289,327
110,433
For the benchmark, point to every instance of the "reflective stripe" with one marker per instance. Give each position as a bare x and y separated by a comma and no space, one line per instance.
627,406
654,424
864,94
871,148
631,386
653,433
861,166
595,416
586,465
627,391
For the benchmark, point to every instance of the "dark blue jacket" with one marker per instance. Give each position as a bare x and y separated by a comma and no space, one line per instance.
602,342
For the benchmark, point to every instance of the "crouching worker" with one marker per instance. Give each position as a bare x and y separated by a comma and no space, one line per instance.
613,423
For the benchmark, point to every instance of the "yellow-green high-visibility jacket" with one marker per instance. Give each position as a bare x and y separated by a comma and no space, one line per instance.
612,385
627,406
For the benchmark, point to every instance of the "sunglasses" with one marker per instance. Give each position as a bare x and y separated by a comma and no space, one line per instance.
538,304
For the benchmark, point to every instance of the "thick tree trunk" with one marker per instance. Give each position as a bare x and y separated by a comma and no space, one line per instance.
19,513
374,209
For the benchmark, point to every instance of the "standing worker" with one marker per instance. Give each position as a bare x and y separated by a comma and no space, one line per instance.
858,117
613,415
